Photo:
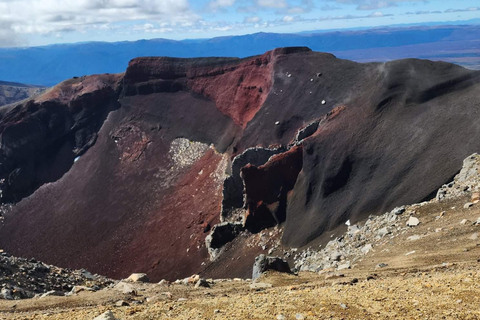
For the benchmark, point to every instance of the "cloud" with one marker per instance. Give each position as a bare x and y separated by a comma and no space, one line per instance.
254,19
422,12
374,4
376,14
463,10
328,7
53,16
221,4
272,4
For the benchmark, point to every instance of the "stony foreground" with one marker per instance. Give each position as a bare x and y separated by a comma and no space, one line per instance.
430,271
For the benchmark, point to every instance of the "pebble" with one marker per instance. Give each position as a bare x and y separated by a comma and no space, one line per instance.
409,253
467,205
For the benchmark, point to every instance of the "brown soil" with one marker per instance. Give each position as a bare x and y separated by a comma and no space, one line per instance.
438,281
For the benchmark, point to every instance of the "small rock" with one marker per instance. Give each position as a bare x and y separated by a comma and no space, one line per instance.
193,279
398,211
475,196
467,205
6,294
299,316
413,222
414,237
216,311
366,249
324,102
280,317
182,299
343,306
344,266
125,288
108,315
474,236
53,293
409,253
138,277
465,221
383,232
164,282
277,123
77,289
382,265
121,303
202,283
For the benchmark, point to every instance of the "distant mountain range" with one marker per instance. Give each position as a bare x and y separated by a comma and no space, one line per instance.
49,65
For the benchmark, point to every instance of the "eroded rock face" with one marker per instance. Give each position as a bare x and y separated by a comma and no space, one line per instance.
233,204
267,188
41,138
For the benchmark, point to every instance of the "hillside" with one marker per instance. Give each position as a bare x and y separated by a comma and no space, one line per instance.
182,166
11,92
428,270
50,65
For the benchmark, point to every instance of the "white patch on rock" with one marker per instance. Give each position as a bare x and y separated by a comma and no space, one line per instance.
184,152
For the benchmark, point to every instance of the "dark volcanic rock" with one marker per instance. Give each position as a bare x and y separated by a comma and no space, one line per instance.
21,278
359,140
40,139
267,187
233,186
264,263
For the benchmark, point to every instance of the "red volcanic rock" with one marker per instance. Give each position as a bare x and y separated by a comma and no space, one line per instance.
238,87
269,184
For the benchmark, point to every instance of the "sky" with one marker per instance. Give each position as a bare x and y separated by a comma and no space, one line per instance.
44,22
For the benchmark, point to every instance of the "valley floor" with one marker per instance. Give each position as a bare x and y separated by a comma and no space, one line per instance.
434,276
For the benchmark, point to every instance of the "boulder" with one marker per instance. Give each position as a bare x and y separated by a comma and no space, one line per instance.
264,263
202,283
108,315
138,277
413,222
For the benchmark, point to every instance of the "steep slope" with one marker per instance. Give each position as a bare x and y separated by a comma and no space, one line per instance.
312,140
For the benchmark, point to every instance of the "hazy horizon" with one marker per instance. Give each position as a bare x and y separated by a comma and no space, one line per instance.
26,23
